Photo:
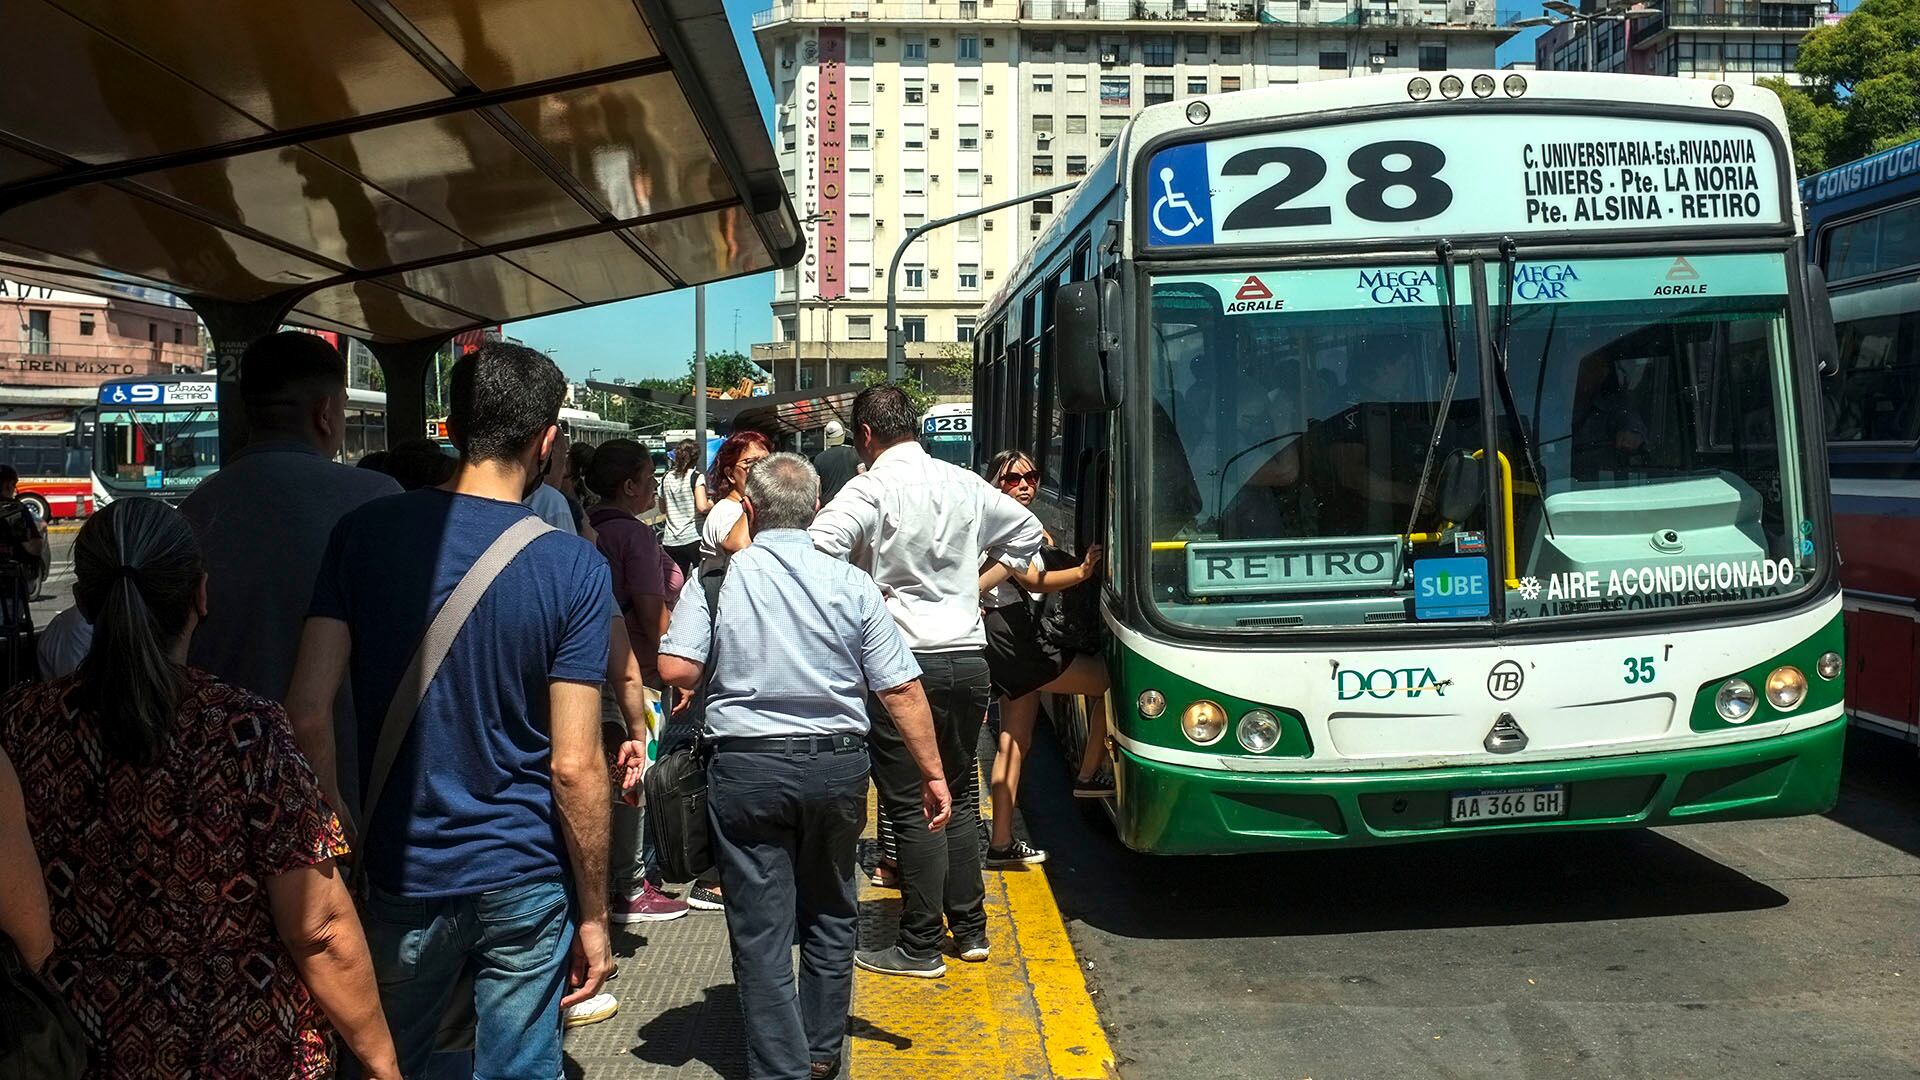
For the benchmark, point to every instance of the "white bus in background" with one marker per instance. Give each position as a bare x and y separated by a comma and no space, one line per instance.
947,431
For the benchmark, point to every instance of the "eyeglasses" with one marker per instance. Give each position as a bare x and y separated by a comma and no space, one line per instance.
1015,479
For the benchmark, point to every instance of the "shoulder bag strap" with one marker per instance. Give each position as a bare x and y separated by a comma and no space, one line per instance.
434,646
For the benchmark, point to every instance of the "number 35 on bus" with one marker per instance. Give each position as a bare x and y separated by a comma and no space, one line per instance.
1455,447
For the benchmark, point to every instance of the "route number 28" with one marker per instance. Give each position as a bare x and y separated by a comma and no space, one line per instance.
1377,168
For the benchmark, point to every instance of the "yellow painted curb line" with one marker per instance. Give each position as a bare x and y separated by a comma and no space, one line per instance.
1076,1044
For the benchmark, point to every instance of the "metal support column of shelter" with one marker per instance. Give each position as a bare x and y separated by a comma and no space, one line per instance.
233,327
405,366
700,374
895,348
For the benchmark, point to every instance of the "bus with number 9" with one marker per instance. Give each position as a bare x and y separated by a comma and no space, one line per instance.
1454,442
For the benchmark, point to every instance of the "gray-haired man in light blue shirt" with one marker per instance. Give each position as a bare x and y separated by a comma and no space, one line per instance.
799,639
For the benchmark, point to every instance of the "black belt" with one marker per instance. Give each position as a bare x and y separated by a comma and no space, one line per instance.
794,744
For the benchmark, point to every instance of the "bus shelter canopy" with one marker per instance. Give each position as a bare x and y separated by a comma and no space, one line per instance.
780,414
396,170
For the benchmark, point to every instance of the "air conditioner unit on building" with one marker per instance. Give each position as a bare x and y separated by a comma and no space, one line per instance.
881,42
988,179
1114,58
989,133
933,43
933,272
879,133
988,226
934,133
989,40
933,88
989,89
879,223
1043,140
1034,223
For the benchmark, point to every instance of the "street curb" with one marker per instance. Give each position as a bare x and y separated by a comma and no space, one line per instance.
1075,1043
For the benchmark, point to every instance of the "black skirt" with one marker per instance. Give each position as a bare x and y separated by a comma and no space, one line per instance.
1019,658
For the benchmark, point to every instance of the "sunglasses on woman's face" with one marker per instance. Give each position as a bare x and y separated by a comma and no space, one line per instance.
1015,479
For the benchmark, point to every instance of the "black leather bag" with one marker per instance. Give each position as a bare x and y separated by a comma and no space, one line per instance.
676,785
40,1039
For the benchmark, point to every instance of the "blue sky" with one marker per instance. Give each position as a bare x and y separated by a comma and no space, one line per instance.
654,336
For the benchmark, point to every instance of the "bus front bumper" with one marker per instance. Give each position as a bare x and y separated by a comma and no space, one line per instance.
1177,809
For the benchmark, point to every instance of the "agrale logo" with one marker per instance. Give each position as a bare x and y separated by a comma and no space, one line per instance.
1383,683
1253,296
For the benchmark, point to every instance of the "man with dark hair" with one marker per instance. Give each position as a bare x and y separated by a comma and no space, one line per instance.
838,463
263,519
487,850
23,554
920,526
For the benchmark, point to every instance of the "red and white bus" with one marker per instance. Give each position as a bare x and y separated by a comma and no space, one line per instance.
47,436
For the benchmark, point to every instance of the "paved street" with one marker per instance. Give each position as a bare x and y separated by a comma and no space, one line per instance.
1783,948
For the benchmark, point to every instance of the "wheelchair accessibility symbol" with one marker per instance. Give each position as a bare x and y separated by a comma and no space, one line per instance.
1182,200
1171,202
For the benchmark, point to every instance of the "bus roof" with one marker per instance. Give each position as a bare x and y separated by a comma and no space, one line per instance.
1889,174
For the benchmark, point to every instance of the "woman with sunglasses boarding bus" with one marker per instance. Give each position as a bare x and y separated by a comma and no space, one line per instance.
1024,664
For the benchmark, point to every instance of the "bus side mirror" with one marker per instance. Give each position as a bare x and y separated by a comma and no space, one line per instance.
1087,346
1826,339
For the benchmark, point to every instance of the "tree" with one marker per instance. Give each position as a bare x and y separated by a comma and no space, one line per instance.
726,370
1863,86
917,393
956,366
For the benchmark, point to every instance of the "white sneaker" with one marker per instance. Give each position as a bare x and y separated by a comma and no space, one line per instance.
599,1007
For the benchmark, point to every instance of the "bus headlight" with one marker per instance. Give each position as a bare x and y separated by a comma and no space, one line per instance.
1786,687
1829,665
1259,730
1735,701
1204,722
1152,704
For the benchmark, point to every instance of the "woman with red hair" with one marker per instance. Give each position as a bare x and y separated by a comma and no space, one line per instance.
725,531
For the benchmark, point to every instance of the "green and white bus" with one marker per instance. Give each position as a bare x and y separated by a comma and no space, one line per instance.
1454,441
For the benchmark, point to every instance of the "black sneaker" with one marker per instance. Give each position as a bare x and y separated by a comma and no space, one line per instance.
702,898
1100,787
1018,853
895,961
973,950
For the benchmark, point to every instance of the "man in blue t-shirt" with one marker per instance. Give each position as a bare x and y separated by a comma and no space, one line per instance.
488,849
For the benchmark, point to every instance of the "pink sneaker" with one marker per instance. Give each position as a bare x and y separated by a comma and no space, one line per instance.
647,905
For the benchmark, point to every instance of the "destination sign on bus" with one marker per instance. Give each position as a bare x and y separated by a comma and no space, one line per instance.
173,393
1460,175
1319,564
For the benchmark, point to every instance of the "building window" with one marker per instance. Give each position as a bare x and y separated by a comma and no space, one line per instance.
860,228
916,182
970,229
1076,125
40,332
916,93
1110,128
916,48
860,278
969,47
970,183
859,47
789,280
1157,88
86,324
1114,51
1282,48
915,137
1076,164
1333,60
969,91
1196,84
859,328
859,139
1229,45
1077,44
969,277
1043,206
1043,124
859,182
963,329
916,277
913,328
969,9
860,91
1157,51
1043,164
177,336
969,136
1116,90
1432,58
1229,84
1077,84
1043,84
789,328
914,221
1041,43
1197,45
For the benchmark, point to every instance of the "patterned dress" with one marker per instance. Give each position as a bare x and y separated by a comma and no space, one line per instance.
163,941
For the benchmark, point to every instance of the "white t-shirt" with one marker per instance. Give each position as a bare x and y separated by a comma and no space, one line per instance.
64,642
683,513
713,535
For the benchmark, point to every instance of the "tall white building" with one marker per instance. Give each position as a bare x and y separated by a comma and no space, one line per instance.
891,114
1737,42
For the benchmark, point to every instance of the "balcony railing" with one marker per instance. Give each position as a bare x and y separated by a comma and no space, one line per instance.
1782,17
1460,13
885,11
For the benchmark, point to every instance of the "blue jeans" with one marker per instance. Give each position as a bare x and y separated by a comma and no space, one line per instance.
513,941
784,831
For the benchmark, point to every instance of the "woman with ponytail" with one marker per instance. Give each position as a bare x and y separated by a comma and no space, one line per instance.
202,927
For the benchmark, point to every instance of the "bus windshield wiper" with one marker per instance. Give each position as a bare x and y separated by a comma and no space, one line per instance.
1509,257
1444,250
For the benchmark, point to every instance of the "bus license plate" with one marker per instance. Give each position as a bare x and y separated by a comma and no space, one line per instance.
1507,804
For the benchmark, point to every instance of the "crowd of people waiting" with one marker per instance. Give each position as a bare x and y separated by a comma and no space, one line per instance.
319,778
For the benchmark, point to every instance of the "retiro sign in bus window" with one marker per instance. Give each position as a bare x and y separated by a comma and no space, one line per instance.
1464,174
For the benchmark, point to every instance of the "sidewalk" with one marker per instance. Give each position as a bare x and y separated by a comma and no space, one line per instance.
1023,1015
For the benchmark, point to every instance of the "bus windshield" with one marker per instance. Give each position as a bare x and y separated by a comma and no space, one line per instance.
156,450
1318,448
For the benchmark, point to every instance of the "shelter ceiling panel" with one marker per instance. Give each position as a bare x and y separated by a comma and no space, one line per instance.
363,305
706,247
78,92
595,268
503,43
15,165
461,171
635,144
487,285
305,200
284,64
110,227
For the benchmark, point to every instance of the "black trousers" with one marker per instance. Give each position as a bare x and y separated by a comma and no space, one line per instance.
939,872
784,831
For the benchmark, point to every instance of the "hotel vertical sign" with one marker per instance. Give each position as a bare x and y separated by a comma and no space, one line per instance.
826,121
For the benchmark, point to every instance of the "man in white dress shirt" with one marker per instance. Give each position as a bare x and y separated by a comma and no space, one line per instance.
920,527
